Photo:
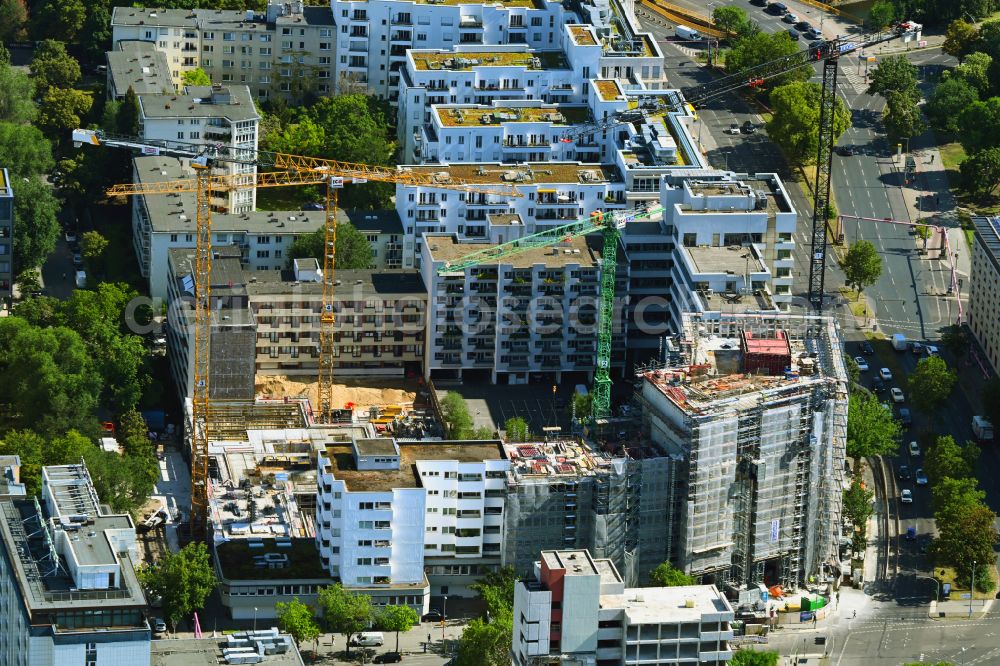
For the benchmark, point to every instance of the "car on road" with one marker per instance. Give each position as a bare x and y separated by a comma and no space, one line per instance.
159,626
790,18
734,128
813,33
916,349
432,616
903,472
862,363
897,394
793,34
777,8
816,43
388,658
866,348
78,260
885,374
878,385
803,26
759,3
904,417
914,449
845,151
906,496
368,639
921,477
70,236
314,205
748,128
931,350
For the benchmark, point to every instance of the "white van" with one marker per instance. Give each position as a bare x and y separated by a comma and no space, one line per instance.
368,639
685,32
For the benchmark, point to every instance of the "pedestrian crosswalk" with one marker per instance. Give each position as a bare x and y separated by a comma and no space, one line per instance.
851,76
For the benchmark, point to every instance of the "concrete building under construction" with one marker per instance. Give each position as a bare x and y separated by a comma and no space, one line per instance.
755,414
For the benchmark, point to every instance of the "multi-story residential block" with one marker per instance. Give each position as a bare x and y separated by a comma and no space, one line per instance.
373,37
207,115
577,609
984,287
268,322
6,239
532,314
286,51
756,413
384,506
140,66
384,233
554,193
68,588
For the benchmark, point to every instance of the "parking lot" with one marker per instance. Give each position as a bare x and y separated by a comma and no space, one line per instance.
491,406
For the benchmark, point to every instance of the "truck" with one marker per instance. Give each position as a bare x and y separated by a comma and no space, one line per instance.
899,342
685,32
982,428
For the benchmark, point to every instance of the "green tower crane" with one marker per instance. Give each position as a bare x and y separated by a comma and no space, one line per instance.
607,223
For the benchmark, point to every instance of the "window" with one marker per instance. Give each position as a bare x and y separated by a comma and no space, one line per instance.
365,524
364,561
263,254
324,46
173,238
265,50
366,506
265,37
91,656
263,240
229,36
180,135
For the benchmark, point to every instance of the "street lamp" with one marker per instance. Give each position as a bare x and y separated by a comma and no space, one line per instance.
444,615
255,619
972,591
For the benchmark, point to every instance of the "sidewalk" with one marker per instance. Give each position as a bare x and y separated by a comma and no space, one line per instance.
960,608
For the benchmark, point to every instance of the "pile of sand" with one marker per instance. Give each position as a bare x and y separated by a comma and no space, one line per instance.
362,393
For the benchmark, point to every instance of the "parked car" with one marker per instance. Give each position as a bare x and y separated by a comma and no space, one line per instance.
432,616
159,626
813,33
931,350
368,639
885,374
914,449
906,496
897,394
793,34
904,417
803,26
70,236
866,348
862,363
790,18
759,3
921,477
315,205
388,658
78,260
878,385
734,128
916,349
748,128
903,472
777,8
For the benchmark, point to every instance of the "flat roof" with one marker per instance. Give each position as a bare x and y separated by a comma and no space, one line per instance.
608,89
465,60
652,605
351,284
375,446
481,115
504,219
524,173
576,250
139,65
215,18
341,458
583,35
232,102
579,562
734,259
236,560
385,221
208,652
988,235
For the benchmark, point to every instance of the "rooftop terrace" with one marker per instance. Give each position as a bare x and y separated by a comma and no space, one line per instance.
521,174
481,116
608,89
548,460
583,35
734,259
466,60
574,251
341,459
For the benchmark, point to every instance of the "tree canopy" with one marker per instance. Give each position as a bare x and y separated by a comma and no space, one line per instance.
794,124
980,125
24,150
894,74
760,47
666,575
902,116
947,102
974,70
931,383
17,91
37,229
61,110
352,249
858,503
748,657
53,67
516,429
980,172
296,619
881,15
196,77
456,415
872,430
862,265
345,613
396,619
734,21
183,580
959,38
947,459
486,642
13,17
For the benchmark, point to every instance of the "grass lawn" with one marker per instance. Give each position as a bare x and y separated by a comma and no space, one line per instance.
287,198
952,155
858,304
947,575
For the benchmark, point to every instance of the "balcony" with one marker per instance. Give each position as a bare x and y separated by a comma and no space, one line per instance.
401,36
471,22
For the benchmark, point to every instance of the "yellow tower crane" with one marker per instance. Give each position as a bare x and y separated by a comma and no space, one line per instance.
288,170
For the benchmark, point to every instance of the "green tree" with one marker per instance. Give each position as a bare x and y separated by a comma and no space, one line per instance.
901,116
127,118
959,38
955,339
666,575
61,109
24,150
13,17
93,244
580,405
133,433
858,504
947,102
95,37
196,77
862,265
297,620
456,416
794,124
122,482
17,91
896,75
950,497
496,588
975,70
946,459
981,172
58,19
871,428
731,20
853,369
345,613
53,67
30,447
485,643
351,251
183,580
482,433
979,125
747,657
516,429
37,228
881,15
969,537
931,384
758,48
396,619
29,280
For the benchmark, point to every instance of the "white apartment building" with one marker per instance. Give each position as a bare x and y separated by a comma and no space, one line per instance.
530,315
554,193
83,607
386,509
578,610
373,37
984,287
207,115
286,51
